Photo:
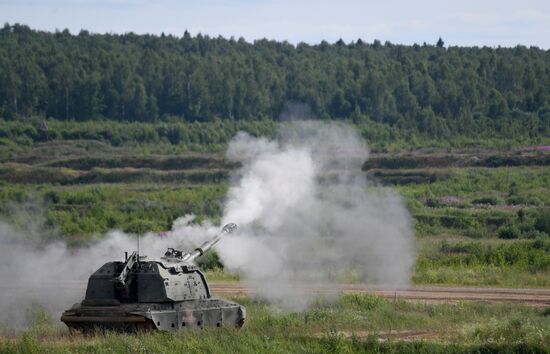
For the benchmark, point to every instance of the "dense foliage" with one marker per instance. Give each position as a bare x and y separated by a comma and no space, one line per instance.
532,255
196,135
422,89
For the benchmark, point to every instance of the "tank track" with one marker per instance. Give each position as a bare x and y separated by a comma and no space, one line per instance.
90,316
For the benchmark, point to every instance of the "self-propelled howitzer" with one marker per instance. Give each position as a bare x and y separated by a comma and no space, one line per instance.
166,294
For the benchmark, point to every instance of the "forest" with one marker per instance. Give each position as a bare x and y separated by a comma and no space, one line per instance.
427,90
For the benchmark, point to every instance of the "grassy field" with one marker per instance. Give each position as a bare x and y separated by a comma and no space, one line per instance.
485,262
354,323
482,216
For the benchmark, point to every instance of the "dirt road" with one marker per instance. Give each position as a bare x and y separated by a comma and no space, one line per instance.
429,294
530,297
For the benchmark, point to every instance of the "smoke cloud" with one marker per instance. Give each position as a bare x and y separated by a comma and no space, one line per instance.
307,217
51,276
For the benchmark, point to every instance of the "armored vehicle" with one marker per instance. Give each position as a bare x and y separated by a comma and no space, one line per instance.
170,294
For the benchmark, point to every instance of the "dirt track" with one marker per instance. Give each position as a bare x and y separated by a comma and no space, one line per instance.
530,297
429,294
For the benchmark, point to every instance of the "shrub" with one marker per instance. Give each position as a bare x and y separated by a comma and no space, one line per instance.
139,226
476,232
508,231
209,261
534,234
521,214
487,200
52,197
460,221
434,203
533,255
523,200
542,222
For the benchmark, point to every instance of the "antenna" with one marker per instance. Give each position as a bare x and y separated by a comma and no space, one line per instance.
138,248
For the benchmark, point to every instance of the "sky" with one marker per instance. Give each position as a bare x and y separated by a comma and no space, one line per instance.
465,22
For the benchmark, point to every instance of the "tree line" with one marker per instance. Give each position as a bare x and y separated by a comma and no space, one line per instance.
433,90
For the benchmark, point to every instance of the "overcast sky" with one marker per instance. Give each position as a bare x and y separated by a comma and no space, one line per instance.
462,22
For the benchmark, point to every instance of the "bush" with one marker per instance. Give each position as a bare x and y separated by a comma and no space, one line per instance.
434,203
533,255
542,222
534,234
524,200
508,231
476,232
52,197
139,226
487,200
460,221
209,261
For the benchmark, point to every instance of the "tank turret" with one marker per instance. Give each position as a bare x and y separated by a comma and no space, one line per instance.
169,293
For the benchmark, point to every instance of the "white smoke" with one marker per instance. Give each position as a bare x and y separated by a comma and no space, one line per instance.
307,216
54,277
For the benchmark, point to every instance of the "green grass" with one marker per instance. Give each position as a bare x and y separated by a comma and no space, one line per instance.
350,324
80,212
476,205
88,178
529,255
472,183
487,262
459,261
93,208
481,276
218,275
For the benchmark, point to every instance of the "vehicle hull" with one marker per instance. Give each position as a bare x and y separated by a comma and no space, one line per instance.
172,316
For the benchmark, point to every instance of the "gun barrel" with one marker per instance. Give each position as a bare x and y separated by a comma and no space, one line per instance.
199,251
